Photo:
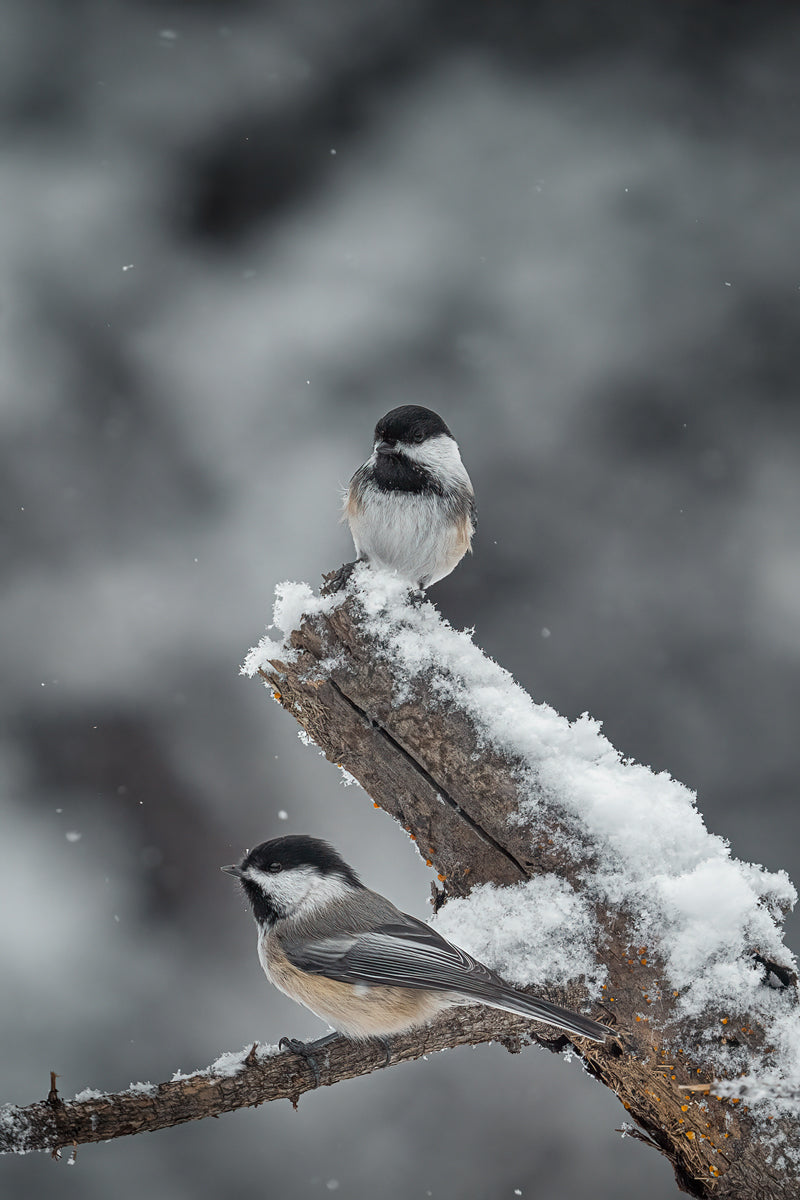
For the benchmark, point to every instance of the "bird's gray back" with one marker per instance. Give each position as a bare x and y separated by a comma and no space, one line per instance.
361,911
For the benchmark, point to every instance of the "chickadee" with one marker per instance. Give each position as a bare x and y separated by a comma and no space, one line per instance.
355,960
411,506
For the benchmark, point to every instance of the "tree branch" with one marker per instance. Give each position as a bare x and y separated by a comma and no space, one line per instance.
239,1081
428,765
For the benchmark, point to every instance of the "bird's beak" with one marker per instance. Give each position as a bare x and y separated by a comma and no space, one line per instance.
385,447
232,870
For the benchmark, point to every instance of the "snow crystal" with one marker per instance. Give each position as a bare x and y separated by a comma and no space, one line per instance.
18,1133
142,1089
537,932
228,1064
89,1094
694,907
767,1087
293,601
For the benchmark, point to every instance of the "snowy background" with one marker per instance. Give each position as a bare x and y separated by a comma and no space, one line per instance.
227,249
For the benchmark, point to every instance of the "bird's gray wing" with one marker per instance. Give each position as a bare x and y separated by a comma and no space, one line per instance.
403,953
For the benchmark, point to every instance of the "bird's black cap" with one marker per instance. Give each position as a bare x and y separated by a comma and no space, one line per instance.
410,423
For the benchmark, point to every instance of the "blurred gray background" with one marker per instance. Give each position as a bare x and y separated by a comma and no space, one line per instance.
232,236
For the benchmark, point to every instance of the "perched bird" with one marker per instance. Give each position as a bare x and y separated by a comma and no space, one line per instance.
355,960
410,506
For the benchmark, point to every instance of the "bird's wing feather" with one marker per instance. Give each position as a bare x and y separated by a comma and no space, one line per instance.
405,953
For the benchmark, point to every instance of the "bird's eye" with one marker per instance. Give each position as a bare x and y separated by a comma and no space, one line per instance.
275,868
419,436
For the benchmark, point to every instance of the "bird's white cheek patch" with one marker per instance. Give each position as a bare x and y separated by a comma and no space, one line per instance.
286,888
325,890
301,890
440,456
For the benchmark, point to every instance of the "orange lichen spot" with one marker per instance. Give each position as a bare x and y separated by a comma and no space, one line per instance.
277,696
643,961
643,949
690,1134
610,999
428,862
726,1135
684,1108
680,1120
626,1106
604,987
441,878
413,837
638,1018
736,1100
375,804
713,1171
672,1076
724,1020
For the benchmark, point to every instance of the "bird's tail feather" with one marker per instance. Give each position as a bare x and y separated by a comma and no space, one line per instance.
541,1010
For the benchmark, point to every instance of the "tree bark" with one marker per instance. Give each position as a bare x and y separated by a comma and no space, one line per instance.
424,764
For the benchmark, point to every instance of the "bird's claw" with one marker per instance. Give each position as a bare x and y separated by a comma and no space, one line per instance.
387,1048
294,1046
307,1050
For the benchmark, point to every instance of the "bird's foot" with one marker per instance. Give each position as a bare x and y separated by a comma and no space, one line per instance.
308,1051
387,1049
